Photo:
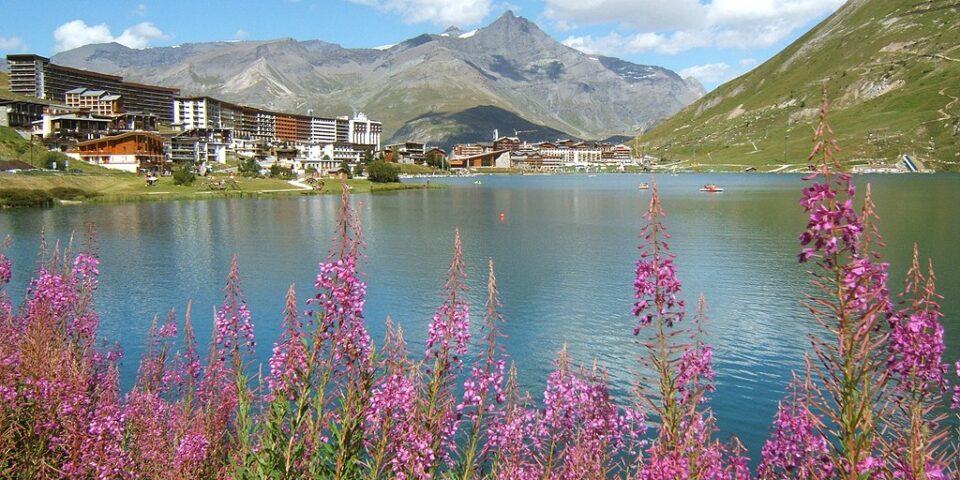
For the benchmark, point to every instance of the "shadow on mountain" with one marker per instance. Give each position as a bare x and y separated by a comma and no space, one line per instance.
476,124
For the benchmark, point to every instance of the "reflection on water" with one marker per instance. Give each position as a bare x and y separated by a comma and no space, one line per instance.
564,251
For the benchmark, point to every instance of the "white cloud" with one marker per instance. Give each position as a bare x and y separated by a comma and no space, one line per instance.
140,10
748,62
709,73
655,15
616,44
439,12
12,43
241,34
77,33
140,35
679,25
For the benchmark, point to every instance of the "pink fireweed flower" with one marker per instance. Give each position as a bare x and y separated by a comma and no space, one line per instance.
916,351
580,415
865,287
448,335
232,322
695,372
191,452
6,269
408,444
86,268
151,423
916,343
796,448
656,285
449,331
955,404
483,380
288,364
833,225
233,328
341,297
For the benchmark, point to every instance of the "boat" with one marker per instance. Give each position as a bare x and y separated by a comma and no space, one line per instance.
643,186
478,182
711,187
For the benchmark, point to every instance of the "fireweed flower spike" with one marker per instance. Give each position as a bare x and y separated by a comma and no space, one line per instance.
656,283
918,448
288,364
486,379
796,449
681,373
447,339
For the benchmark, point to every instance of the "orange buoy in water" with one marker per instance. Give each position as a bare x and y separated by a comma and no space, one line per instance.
503,216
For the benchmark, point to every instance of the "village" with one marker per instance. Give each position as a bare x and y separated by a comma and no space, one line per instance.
105,120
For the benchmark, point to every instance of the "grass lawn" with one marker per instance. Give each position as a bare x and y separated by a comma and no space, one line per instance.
129,187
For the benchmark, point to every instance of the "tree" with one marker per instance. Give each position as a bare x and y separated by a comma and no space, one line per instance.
358,170
383,172
278,171
183,175
249,167
434,160
345,168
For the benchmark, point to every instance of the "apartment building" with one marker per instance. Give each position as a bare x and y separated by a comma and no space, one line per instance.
35,76
251,128
128,152
407,152
97,102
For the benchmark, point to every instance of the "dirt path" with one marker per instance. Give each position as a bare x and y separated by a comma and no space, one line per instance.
943,111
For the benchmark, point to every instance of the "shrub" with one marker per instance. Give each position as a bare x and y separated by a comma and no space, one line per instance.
23,197
249,167
278,171
383,172
184,175
71,193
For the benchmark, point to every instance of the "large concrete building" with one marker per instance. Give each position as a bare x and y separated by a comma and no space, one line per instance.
247,122
35,76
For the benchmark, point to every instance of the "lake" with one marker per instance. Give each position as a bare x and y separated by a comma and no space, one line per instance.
565,253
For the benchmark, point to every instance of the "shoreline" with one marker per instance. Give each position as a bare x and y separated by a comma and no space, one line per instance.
79,190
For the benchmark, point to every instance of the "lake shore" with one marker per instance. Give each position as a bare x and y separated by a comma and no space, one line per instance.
94,189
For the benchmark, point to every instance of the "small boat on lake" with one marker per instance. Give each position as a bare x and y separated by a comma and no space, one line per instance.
643,186
711,187
477,182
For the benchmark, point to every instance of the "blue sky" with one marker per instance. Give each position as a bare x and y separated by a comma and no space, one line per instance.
712,40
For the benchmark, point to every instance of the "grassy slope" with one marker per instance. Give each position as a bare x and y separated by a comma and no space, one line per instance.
15,147
863,47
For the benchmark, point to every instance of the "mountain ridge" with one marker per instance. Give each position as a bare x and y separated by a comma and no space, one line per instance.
510,64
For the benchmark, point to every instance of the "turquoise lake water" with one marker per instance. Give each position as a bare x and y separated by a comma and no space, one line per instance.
565,254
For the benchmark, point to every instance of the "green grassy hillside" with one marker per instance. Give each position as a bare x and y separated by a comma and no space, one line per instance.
15,147
891,70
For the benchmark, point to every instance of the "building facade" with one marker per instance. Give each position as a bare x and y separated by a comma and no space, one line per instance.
35,76
128,152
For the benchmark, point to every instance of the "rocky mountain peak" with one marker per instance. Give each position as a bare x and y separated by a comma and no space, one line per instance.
452,31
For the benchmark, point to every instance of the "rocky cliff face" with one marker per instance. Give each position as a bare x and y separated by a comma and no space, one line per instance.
510,66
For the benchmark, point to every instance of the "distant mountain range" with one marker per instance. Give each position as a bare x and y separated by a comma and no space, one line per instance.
891,69
440,89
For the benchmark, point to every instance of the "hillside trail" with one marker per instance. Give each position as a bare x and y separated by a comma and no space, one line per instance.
943,111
